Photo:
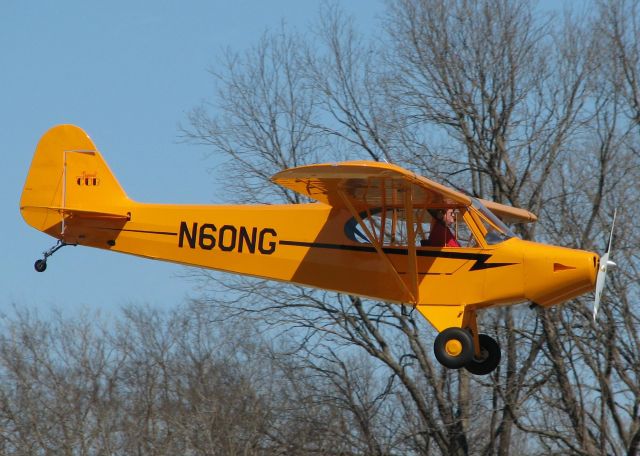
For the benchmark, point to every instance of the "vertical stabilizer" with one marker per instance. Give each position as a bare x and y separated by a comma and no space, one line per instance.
68,175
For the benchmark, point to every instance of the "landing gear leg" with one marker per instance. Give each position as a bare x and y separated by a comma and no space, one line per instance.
486,351
41,265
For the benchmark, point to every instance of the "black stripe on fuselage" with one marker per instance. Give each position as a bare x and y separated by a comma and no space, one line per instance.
480,258
162,233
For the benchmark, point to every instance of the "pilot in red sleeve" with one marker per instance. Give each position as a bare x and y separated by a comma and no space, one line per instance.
440,234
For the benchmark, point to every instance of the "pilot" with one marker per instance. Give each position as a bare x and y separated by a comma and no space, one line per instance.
440,234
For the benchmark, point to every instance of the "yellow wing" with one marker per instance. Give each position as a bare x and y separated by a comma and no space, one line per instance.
366,184
509,214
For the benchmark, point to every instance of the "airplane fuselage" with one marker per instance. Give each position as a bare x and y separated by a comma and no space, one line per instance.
307,244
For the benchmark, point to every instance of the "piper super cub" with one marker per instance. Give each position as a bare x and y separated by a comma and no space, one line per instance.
375,230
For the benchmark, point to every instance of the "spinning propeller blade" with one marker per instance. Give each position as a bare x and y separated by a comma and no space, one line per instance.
605,264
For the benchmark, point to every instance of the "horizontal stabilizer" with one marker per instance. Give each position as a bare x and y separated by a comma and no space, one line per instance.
80,213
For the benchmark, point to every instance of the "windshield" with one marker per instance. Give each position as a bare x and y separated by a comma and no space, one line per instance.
497,231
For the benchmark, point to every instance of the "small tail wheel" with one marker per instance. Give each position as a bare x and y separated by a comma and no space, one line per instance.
40,265
453,348
489,358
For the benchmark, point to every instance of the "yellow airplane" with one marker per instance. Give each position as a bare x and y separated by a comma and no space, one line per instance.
376,230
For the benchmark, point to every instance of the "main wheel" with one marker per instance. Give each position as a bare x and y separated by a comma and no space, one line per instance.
453,348
489,356
40,265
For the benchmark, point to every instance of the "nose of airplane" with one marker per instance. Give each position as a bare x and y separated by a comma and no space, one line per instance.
556,274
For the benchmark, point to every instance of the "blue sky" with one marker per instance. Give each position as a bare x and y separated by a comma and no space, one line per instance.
127,73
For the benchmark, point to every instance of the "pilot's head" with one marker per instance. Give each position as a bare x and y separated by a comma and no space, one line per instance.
446,216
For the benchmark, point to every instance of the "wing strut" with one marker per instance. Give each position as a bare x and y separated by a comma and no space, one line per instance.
378,246
411,243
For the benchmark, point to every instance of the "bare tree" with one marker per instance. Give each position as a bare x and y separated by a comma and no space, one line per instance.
619,25
149,382
58,392
267,111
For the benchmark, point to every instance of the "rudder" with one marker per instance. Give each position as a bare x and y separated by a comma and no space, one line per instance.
68,175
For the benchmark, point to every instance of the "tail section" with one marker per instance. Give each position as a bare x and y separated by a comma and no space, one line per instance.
69,184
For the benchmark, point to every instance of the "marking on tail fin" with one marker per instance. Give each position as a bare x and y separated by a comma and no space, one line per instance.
88,179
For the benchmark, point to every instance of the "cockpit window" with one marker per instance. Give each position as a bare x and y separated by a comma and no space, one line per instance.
390,228
463,233
495,230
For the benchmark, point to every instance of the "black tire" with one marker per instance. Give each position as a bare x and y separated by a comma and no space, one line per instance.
40,265
490,359
453,348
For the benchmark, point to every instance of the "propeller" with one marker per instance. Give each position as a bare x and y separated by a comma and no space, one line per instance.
605,264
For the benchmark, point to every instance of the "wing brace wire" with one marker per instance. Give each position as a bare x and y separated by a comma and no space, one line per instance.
412,290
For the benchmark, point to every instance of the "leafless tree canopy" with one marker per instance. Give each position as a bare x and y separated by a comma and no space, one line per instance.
528,108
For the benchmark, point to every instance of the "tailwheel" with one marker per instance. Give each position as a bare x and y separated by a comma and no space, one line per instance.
489,356
453,348
40,265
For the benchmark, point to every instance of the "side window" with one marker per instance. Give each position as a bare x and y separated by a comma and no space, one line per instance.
456,225
390,227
